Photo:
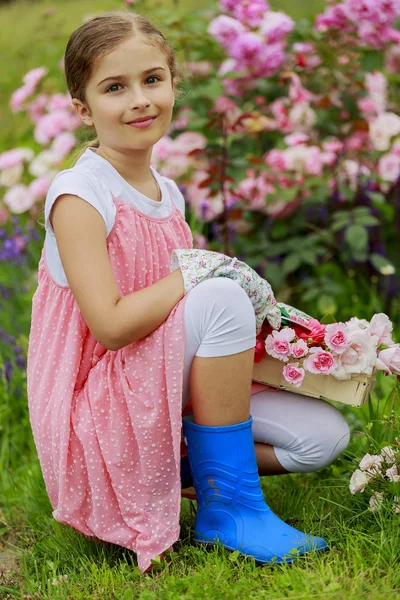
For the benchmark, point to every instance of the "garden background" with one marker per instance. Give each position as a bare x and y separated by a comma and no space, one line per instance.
288,155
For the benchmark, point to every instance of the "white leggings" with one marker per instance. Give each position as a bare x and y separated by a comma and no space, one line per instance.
306,433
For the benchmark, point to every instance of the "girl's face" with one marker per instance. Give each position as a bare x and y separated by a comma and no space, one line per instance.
131,82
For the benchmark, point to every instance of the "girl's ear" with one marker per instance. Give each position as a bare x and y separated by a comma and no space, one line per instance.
83,112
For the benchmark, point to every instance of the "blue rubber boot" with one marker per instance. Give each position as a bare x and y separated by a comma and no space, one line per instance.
231,509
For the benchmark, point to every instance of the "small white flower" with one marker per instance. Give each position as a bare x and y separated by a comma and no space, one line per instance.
369,461
375,502
358,481
388,454
387,270
392,474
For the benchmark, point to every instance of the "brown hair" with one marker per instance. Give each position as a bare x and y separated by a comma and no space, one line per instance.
99,36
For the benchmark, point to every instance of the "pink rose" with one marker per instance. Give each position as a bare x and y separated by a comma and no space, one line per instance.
19,96
35,76
278,344
319,361
15,157
247,47
250,13
299,349
389,167
389,360
297,138
275,26
337,337
225,30
276,160
63,144
39,187
293,374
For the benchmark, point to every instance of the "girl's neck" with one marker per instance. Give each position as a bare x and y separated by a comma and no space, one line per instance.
134,168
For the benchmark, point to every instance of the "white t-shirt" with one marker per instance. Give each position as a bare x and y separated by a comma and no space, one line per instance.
93,179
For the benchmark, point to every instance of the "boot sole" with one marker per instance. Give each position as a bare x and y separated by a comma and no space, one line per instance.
211,546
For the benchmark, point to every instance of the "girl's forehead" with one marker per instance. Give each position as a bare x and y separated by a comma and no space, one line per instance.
135,54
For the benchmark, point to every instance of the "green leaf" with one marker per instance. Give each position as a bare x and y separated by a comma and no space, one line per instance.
327,319
311,294
291,263
234,556
338,226
273,273
233,75
366,220
357,238
377,197
326,304
380,263
309,257
359,211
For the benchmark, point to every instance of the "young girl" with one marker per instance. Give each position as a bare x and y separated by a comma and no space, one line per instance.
116,348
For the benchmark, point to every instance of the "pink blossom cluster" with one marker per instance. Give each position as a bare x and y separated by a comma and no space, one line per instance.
384,126
370,20
338,349
253,38
54,119
378,472
176,157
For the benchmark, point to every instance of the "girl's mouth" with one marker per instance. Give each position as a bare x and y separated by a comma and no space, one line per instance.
142,124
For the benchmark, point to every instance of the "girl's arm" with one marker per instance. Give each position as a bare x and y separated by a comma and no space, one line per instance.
114,321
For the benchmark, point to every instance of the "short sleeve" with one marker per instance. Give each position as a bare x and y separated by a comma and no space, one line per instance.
78,184
177,196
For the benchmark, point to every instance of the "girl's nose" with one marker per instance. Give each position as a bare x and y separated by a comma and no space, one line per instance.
138,99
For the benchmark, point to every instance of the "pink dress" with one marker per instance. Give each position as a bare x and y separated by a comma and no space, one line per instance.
107,424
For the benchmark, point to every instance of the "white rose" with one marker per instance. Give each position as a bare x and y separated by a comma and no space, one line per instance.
358,481
388,454
19,199
382,129
43,163
11,176
355,323
369,461
359,357
392,474
302,116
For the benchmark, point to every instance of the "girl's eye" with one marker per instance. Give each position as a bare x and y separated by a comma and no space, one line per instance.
116,85
154,77
113,86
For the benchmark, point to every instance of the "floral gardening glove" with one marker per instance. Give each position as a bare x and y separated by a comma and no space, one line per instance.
199,265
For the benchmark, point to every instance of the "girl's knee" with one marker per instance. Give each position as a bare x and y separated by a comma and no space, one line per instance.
326,445
221,298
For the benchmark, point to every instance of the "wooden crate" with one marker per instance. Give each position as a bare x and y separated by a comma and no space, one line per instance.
353,392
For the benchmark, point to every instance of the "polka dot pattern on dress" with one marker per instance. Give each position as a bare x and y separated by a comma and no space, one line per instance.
107,424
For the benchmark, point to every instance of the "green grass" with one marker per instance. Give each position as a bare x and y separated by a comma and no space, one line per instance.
362,561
